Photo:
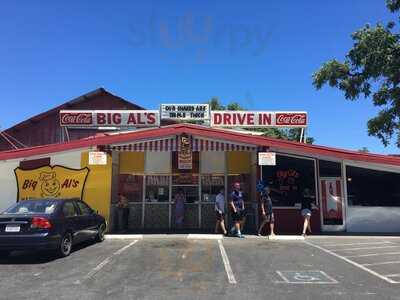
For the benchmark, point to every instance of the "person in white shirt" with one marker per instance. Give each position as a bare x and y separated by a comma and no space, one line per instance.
220,211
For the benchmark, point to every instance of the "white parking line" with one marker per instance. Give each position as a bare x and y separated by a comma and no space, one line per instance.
225,259
353,263
355,244
105,262
364,248
393,275
382,263
374,254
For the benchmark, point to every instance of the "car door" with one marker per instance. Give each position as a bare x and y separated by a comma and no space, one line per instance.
71,220
88,220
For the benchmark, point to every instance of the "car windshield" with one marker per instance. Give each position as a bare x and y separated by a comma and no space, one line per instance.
32,207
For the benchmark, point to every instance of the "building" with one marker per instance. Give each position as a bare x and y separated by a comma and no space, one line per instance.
353,192
45,128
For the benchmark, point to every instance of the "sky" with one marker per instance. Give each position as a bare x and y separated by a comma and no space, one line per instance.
261,54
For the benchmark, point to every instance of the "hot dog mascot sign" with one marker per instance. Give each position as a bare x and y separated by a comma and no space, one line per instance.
50,182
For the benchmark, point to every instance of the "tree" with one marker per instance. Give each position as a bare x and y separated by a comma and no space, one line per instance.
292,134
363,150
371,69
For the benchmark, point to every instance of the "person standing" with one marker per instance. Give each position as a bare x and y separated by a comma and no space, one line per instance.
180,200
236,205
266,211
220,211
306,211
123,208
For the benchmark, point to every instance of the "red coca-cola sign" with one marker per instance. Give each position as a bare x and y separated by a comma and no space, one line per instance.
291,119
76,118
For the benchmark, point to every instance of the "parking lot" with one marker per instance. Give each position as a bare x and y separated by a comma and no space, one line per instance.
178,267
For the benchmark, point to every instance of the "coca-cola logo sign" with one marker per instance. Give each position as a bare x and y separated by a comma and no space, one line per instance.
291,119
76,118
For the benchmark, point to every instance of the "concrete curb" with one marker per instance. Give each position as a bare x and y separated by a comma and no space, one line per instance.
286,238
205,237
124,236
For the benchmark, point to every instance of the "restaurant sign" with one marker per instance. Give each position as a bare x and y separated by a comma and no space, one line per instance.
258,119
266,159
50,182
182,112
185,157
185,111
109,118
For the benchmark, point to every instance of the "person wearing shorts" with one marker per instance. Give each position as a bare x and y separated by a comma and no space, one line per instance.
220,211
267,213
306,211
236,204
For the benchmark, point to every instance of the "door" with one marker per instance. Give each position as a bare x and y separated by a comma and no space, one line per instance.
332,204
71,220
86,220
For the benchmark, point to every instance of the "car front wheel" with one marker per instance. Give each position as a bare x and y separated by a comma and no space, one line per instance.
100,233
65,246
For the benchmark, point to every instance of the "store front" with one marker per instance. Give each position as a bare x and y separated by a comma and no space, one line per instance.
352,192
151,176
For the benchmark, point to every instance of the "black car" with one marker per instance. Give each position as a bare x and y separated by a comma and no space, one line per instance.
49,224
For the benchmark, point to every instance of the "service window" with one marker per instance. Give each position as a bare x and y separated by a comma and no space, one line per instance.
157,188
289,179
211,186
131,186
367,187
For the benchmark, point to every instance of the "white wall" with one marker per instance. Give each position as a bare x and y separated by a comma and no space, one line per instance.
212,162
373,219
8,184
157,162
71,159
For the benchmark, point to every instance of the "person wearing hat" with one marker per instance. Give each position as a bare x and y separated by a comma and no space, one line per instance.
266,211
236,205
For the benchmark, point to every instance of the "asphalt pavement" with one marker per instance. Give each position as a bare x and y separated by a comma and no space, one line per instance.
181,268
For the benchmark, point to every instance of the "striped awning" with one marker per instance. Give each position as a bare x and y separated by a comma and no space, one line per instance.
172,144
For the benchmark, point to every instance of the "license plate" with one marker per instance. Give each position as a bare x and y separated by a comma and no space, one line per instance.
13,228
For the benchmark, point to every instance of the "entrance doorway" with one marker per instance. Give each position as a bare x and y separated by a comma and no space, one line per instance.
332,204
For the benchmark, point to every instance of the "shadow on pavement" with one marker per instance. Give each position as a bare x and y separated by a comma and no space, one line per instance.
38,257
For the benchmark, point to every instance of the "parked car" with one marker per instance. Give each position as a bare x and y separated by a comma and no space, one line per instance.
49,224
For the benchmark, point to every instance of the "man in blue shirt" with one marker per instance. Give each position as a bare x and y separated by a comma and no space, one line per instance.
236,204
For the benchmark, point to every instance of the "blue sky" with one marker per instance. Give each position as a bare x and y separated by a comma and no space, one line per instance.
259,53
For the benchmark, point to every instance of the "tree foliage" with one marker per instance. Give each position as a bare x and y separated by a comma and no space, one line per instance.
292,134
371,69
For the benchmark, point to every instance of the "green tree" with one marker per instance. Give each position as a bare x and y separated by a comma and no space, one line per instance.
363,150
371,69
292,134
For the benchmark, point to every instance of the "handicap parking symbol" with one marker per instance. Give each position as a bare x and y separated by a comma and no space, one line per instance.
305,277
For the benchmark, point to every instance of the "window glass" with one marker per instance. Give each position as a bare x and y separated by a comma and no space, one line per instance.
191,193
185,179
69,209
366,187
85,210
329,169
289,179
210,187
157,188
131,186
32,207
